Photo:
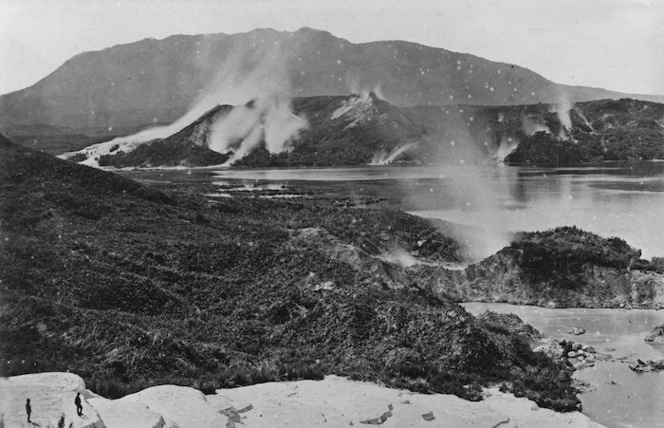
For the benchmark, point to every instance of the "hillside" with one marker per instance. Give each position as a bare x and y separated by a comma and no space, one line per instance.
157,80
129,287
563,267
603,130
362,129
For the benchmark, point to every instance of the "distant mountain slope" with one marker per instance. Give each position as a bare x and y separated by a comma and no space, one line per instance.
361,129
157,80
605,130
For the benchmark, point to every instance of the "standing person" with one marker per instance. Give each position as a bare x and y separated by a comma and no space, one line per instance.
28,409
79,407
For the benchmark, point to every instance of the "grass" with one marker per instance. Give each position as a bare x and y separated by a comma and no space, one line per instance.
129,287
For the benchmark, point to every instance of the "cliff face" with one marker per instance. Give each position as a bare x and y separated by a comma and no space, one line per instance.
506,277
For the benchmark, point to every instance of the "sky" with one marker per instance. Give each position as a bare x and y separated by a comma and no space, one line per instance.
613,44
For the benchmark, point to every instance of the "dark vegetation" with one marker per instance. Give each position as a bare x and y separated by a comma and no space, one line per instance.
162,153
130,287
559,256
617,130
187,147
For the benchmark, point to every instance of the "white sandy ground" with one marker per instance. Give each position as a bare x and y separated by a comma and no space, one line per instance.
333,402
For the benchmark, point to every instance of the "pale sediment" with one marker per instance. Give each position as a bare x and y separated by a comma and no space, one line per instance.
334,401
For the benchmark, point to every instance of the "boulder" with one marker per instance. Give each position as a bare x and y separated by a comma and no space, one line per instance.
657,335
576,331
589,349
649,366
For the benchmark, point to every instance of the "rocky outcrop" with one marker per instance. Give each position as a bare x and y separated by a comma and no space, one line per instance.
657,335
648,366
564,267
575,355
512,323
500,279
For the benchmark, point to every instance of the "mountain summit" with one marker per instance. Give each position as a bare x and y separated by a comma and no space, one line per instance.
158,80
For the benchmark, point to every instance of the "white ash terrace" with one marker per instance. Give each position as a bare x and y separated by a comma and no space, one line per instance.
332,402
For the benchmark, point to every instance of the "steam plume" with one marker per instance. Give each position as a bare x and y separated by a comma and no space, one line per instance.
472,190
383,158
530,126
261,83
562,109
258,80
578,111
507,146
355,86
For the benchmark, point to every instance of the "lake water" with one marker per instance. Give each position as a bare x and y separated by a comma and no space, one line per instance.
622,398
624,200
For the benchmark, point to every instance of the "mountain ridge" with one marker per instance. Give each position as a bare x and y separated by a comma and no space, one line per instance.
362,129
158,80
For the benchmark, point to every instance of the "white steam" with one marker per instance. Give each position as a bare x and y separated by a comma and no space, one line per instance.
257,75
261,84
578,111
472,191
507,146
356,86
530,126
562,109
385,158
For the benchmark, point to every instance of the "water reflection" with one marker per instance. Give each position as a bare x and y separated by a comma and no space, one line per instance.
624,200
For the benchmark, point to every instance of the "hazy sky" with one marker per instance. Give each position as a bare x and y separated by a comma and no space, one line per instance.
615,44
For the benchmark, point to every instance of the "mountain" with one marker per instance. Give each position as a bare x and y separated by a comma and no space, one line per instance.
157,80
131,287
362,129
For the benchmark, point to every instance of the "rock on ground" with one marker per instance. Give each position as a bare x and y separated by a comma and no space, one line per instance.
657,335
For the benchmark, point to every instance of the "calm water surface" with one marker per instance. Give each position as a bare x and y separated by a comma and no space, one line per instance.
622,398
624,200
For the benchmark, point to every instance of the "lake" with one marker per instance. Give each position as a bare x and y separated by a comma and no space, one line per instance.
624,200
622,398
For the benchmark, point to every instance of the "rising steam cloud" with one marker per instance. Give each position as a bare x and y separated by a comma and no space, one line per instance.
257,82
562,109
356,86
531,126
260,83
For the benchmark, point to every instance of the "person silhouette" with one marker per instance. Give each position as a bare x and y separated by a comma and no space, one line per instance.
28,409
79,407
